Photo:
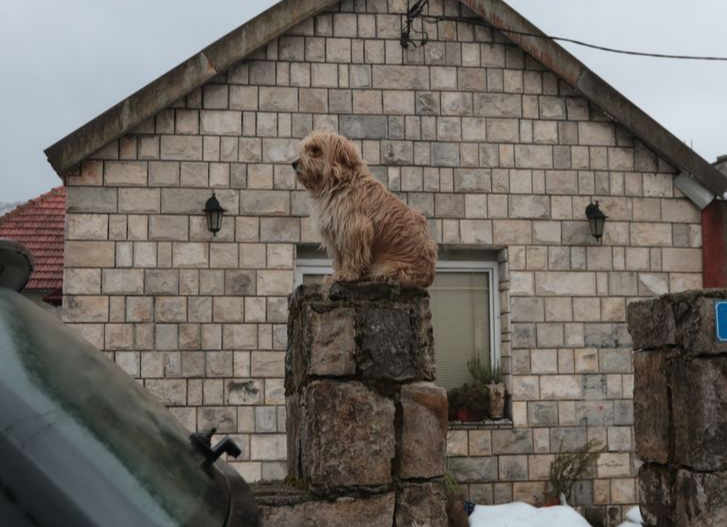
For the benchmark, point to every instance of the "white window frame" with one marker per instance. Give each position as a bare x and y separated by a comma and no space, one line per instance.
318,266
323,266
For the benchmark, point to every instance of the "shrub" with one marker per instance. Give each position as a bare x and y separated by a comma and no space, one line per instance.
484,373
569,467
471,397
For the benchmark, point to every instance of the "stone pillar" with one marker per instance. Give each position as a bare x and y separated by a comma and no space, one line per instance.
680,409
366,425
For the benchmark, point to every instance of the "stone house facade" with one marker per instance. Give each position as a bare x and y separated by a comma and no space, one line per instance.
500,153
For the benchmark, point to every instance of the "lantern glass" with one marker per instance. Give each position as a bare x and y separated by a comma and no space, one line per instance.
597,226
214,221
596,219
214,213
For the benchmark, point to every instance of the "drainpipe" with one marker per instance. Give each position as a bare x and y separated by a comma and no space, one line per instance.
714,244
714,237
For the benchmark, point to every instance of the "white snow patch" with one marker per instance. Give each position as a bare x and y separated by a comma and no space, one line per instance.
633,518
524,515
634,515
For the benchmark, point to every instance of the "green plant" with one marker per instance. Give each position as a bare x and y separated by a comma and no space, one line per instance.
474,399
454,402
495,376
484,373
569,467
451,485
455,494
471,397
455,468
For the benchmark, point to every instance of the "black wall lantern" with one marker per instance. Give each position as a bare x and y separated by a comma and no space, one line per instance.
597,219
214,211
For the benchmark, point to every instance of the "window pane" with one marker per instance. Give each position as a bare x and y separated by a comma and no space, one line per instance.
460,303
313,278
461,319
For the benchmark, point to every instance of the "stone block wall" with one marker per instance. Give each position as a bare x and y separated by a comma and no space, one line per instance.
495,151
680,407
366,427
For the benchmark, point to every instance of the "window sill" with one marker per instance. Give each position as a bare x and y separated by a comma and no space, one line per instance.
481,425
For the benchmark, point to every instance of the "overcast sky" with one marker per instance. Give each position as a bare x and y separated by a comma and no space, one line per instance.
63,62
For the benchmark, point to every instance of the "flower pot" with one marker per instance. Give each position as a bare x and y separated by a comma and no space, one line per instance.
465,415
496,396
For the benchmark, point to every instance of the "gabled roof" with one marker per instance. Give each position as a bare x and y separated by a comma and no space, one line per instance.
178,82
39,226
553,56
241,42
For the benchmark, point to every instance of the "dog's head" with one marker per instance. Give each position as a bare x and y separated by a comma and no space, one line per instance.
326,160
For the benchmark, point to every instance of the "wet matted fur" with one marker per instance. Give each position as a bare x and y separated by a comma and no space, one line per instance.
368,232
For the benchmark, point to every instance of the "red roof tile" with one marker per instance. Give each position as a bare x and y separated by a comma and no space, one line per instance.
39,226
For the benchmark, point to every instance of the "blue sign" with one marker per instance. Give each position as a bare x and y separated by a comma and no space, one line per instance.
720,319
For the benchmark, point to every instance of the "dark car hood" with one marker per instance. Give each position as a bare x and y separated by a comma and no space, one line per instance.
82,444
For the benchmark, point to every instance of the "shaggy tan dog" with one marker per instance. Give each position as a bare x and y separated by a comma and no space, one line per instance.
368,232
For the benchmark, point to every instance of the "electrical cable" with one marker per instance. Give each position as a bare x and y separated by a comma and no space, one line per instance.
479,22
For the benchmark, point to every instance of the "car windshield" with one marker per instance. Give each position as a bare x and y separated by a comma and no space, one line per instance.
93,429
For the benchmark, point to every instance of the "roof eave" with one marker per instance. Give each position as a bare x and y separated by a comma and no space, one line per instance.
548,52
222,54
259,31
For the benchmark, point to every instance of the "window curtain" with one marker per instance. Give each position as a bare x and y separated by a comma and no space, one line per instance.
460,305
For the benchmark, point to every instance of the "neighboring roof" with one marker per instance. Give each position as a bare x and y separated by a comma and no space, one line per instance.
39,226
238,44
7,207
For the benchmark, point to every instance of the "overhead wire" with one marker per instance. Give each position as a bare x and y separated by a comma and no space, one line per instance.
476,21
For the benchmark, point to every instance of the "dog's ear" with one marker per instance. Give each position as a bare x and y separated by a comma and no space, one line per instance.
312,144
346,154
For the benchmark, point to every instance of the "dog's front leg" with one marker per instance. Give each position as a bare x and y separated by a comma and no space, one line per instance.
335,256
355,242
